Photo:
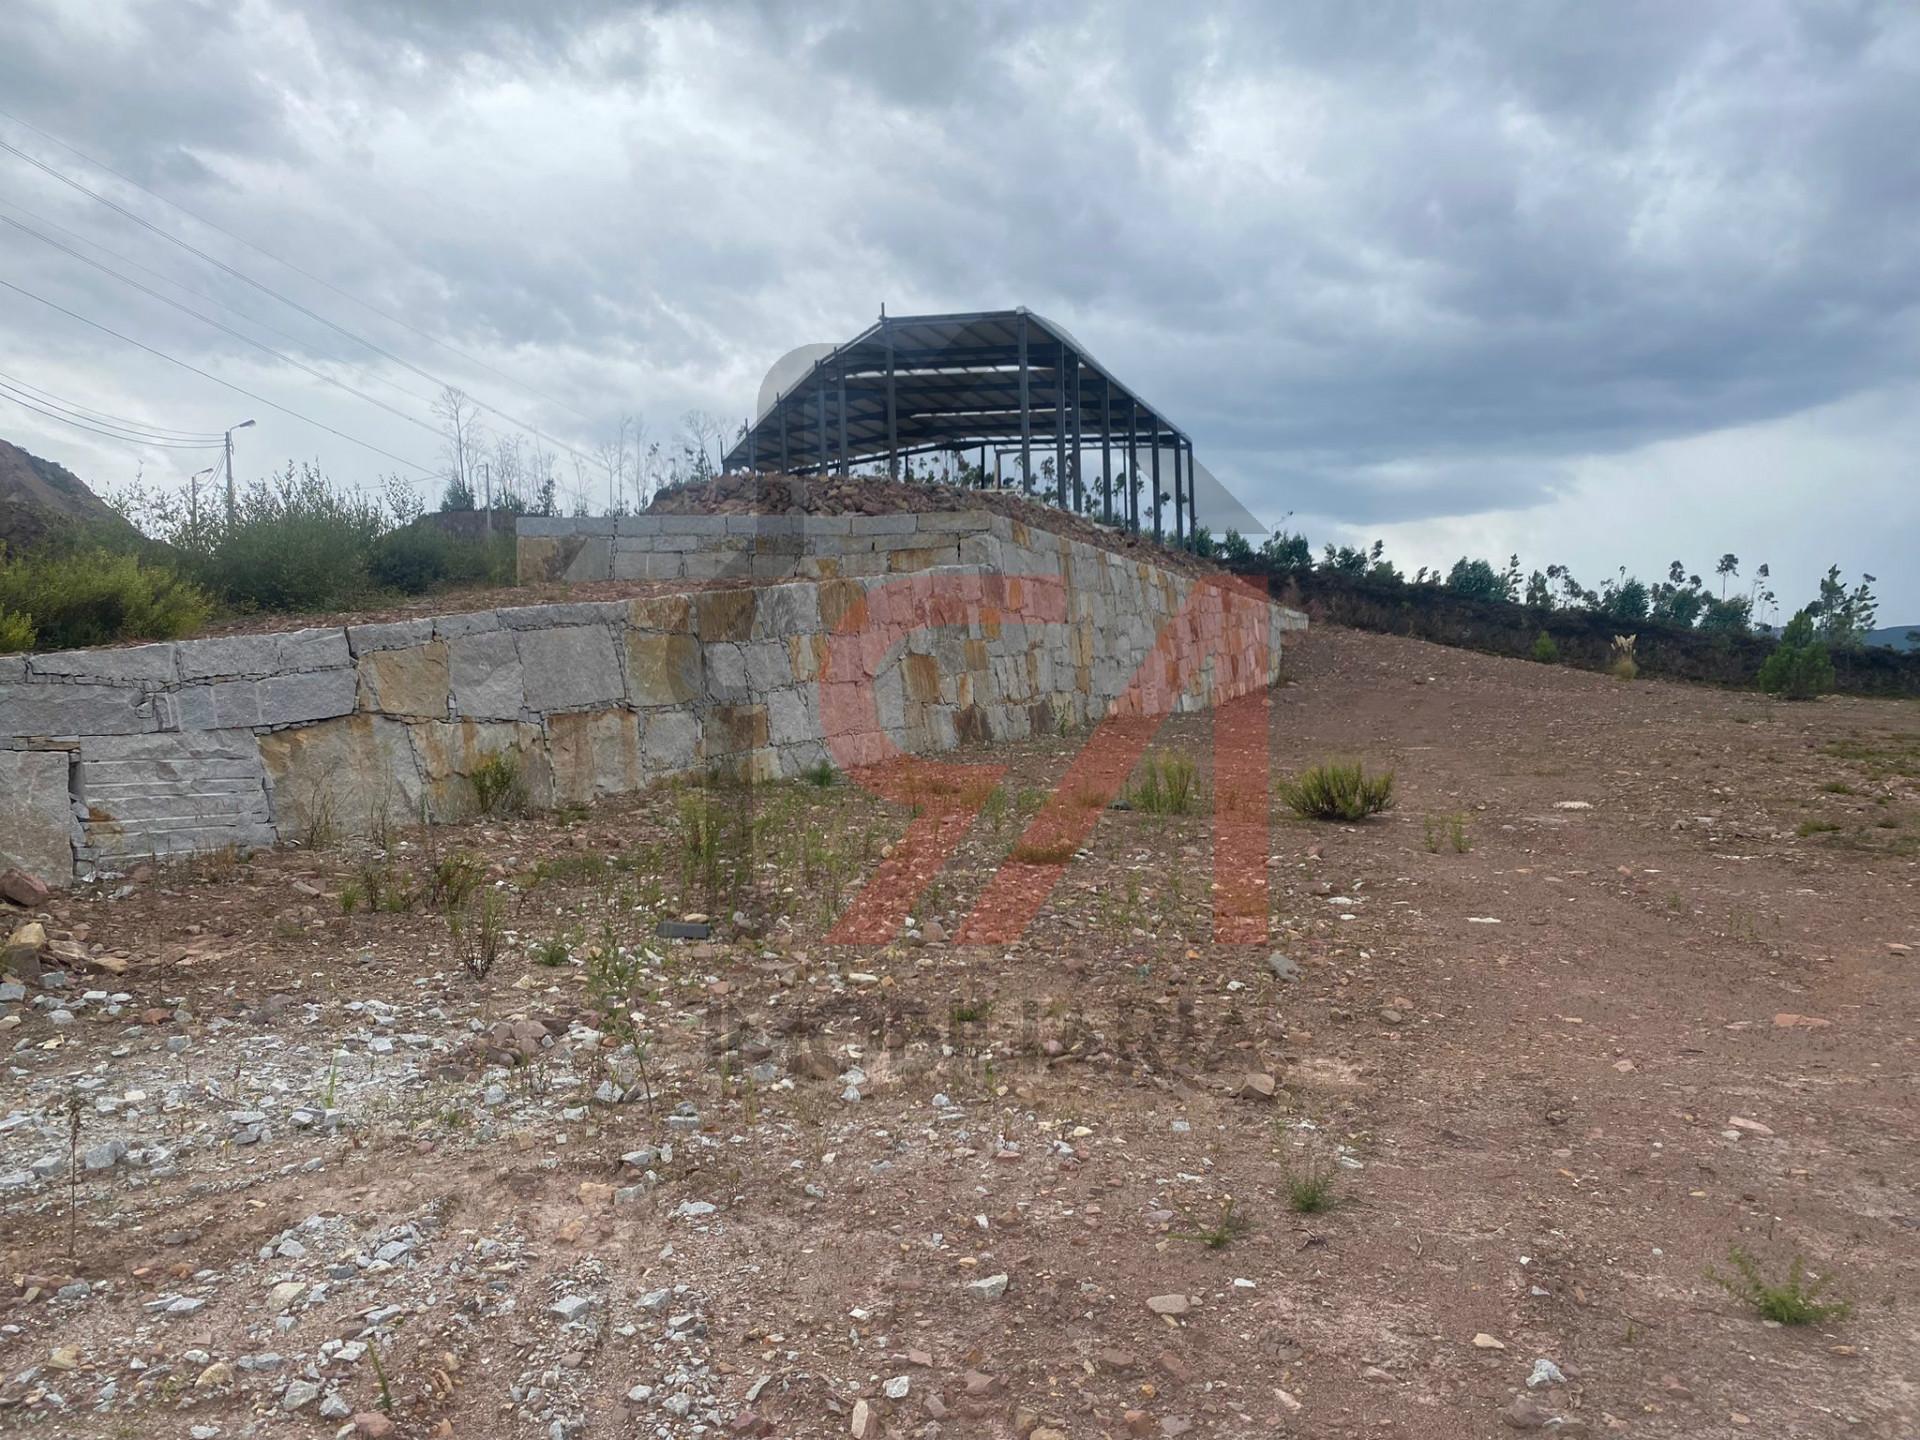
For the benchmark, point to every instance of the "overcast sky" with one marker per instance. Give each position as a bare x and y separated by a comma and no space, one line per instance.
1603,283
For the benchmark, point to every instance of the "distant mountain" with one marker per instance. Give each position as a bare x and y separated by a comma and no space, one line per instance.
42,501
1895,636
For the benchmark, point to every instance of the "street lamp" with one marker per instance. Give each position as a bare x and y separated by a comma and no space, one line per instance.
232,500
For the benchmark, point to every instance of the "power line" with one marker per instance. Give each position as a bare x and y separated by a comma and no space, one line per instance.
324,284
7,393
264,289
225,329
205,374
206,295
47,397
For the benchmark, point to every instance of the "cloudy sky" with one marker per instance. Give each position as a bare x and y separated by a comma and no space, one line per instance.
1601,283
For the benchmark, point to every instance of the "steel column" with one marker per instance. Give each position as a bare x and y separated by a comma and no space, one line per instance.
1060,428
843,417
1026,413
1079,490
1177,447
1157,533
1133,465
1106,452
820,393
893,422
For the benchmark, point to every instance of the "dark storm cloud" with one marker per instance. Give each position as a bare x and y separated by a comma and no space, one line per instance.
1385,261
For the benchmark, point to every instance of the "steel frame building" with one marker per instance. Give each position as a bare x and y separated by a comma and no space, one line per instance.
1005,381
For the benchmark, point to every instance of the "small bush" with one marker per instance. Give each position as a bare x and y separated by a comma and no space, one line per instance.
1545,650
453,879
821,773
476,928
16,631
497,785
1338,792
1799,667
1167,785
62,601
1791,1302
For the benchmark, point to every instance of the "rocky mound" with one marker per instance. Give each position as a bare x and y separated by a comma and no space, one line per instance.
745,493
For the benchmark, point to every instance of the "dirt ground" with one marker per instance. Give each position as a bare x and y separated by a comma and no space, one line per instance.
1626,980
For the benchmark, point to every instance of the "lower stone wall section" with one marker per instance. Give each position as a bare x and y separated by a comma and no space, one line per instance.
112,756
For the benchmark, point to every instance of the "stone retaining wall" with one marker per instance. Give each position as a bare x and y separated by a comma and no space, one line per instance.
108,757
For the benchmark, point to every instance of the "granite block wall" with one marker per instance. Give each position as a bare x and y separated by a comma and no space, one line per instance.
882,633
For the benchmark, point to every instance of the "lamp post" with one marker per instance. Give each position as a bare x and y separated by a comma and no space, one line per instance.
232,499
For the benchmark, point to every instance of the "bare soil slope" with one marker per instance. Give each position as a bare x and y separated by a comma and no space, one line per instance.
1601,998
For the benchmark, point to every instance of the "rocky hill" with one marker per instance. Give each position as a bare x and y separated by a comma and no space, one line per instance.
40,500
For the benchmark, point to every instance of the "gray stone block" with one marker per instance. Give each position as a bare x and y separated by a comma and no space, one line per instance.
294,699
627,525
389,635
793,715
953,521
161,794
571,667
483,671
53,709
670,740
633,564
257,656
693,524
896,524
718,566
38,832
133,664
783,610
472,622
548,617
592,561
788,524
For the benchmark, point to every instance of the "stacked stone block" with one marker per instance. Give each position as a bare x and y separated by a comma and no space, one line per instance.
111,756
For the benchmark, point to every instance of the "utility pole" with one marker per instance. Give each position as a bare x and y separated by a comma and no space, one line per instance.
233,501
486,486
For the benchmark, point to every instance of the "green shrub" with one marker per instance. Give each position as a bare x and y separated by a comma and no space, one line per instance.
1799,667
94,597
1545,650
16,631
1791,1302
498,788
1337,792
421,557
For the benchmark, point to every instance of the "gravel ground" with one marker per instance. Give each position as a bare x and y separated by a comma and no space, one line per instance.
1601,999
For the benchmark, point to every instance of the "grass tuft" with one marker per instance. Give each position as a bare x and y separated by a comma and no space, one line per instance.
1793,1301
1337,792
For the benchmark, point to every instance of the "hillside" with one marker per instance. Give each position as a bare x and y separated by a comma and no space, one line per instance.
40,500
1895,636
